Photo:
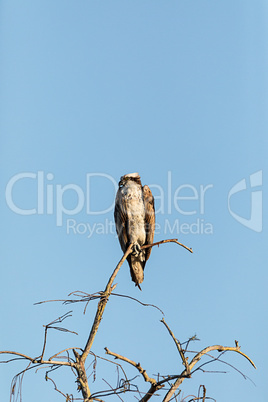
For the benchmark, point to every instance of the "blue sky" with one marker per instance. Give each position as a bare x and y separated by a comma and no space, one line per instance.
176,91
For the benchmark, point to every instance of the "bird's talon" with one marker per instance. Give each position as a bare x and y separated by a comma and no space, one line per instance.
136,249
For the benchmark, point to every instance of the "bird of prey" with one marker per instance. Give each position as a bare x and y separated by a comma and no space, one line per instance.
134,216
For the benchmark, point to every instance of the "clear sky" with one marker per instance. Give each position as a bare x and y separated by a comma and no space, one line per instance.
177,91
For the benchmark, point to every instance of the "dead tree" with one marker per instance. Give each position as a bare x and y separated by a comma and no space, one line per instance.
75,358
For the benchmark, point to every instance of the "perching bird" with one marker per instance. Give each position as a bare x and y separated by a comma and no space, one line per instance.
134,216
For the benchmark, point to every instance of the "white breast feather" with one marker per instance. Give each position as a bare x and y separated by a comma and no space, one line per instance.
132,193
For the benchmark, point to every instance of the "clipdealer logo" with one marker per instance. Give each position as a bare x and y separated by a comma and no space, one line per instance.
47,193
254,222
186,200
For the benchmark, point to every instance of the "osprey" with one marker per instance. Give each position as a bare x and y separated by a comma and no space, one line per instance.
134,217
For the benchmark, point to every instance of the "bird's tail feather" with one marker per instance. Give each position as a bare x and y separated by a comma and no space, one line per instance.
136,270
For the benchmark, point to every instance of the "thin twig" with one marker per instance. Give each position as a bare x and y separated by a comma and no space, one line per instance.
167,241
62,351
110,361
113,390
137,365
55,387
143,304
178,345
36,360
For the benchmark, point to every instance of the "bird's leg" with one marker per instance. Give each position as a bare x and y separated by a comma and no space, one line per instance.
136,249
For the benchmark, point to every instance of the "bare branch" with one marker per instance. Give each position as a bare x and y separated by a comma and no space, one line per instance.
167,241
143,304
219,348
196,359
67,397
155,386
102,305
110,361
37,361
9,352
77,364
80,359
62,351
137,365
18,377
177,343
113,390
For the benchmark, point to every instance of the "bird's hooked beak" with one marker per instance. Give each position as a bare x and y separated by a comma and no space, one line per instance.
123,181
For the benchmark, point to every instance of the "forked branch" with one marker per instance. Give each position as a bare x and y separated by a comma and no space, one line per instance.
189,369
178,345
186,373
108,290
104,297
77,364
136,365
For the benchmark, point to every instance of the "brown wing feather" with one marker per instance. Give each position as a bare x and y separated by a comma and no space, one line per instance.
149,218
120,217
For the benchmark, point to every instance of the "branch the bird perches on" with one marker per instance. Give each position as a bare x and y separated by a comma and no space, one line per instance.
77,364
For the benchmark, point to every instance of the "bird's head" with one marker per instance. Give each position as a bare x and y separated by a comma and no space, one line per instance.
130,176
